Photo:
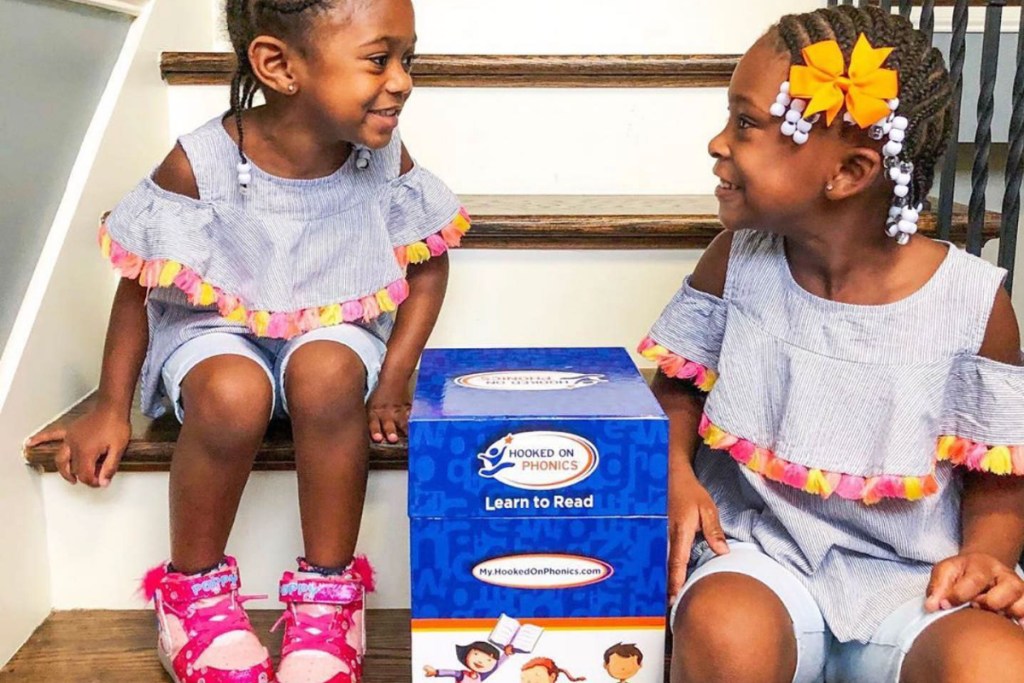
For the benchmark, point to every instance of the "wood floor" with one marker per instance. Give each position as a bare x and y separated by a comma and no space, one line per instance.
100,646
119,647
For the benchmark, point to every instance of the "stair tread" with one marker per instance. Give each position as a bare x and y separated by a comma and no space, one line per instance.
625,222
118,646
585,71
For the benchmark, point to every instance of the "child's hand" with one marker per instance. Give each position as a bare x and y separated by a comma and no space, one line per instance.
979,579
429,671
99,434
691,509
388,412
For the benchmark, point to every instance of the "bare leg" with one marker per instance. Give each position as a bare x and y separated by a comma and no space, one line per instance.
326,384
970,646
731,628
227,407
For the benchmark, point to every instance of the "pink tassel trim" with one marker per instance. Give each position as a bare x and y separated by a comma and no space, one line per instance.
1000,460
362,568
277,325
448,237
152,580
676,366
868,490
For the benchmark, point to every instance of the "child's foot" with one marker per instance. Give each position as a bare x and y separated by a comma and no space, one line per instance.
204,633
324,635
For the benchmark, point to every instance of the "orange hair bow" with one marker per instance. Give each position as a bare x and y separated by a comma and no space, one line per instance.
865,89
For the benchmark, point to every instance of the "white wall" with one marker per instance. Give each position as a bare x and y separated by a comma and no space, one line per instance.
53,354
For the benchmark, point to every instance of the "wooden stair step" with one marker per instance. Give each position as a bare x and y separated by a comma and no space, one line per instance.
623,222
118,646
504,71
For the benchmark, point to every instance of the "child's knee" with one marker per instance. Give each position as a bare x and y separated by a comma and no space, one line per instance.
970,646
732,627
231,395
325,380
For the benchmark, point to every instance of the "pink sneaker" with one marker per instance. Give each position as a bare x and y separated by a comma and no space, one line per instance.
324,635
204,633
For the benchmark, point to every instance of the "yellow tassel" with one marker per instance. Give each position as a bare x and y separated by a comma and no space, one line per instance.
942,449
418,252
461,224
914,488
818,484
710,377
385,302
655,352
757,461
237,315
105,245
206,294
168,273
260,321
713,436
998,460
330,315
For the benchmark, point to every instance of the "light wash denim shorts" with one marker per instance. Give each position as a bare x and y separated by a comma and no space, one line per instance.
820,657
270,354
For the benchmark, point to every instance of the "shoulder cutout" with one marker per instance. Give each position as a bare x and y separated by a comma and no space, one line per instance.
175,174
709,275
1002,335
407,163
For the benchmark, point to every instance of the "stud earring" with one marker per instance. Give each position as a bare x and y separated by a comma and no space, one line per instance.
829,187
291,87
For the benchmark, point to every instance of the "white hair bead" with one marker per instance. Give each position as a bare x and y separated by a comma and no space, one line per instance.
902,239
904,179
908,227
784,87
788,129
783,99
801,137
895,212
897,135
892,149
798,105
777,109
894,173
901,190
892,230
804,126
848,118
909,214
244,178
894,104
793,116
901,123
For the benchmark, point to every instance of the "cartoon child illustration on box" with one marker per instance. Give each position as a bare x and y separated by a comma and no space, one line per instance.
544,670
482,658
622,661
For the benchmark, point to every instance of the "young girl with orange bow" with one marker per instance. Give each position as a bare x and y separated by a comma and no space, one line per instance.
856,386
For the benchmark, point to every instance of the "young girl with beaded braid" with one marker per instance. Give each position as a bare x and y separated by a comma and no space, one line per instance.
855,386
273,247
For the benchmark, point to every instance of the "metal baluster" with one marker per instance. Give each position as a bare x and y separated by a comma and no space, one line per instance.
957,53
1014,168
928,19
833,3
983,136
905,7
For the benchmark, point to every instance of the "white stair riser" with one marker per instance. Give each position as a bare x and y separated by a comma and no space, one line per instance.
542,141
102,542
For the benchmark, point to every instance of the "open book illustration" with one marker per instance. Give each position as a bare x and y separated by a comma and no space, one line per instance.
509,632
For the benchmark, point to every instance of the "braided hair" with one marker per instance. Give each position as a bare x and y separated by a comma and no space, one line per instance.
926,94
289,20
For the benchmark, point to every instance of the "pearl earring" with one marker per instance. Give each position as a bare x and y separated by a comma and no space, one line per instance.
291,87
829,187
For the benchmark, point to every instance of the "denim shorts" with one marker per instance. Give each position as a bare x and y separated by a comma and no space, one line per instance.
820,657
270,354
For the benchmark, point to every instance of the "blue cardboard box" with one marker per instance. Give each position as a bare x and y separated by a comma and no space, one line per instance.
538,482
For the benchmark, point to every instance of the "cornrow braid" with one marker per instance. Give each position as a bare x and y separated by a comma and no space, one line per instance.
925,92
247,19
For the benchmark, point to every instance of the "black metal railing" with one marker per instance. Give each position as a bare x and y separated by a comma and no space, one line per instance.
1014,173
